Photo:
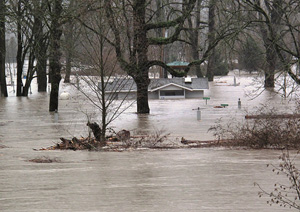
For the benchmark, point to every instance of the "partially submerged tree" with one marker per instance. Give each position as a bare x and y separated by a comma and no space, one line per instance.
3,87
131,23
98,72
28,17
55,51
279,26
221,25
41,41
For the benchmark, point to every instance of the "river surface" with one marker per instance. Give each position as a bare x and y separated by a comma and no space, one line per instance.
208,179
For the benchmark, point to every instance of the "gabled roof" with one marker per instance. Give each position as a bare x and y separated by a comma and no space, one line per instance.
176,85
126,84
195,84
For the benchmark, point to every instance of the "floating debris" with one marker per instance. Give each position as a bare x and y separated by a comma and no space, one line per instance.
44,159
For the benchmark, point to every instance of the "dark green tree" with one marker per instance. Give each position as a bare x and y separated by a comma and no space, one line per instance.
251,56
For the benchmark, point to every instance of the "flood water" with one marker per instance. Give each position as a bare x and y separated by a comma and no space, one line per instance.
209,179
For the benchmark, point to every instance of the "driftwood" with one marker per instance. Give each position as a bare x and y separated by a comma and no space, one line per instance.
210,143
273,116
123,135
75,144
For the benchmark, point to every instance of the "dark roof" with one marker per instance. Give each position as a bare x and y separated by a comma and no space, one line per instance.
178,63
125,84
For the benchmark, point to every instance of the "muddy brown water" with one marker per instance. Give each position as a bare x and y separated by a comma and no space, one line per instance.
209,179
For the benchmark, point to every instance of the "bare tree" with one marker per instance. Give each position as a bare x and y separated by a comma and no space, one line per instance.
278,23
102,87
134,17
284,194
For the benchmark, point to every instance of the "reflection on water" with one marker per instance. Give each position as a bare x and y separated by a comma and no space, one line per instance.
177,180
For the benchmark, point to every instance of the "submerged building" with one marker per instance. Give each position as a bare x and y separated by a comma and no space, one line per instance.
164,88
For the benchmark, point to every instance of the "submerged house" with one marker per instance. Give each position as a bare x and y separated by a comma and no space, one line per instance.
164,88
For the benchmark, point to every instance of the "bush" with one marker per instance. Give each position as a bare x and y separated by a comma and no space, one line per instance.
266,129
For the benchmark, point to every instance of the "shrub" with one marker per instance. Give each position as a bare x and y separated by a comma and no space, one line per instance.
266,129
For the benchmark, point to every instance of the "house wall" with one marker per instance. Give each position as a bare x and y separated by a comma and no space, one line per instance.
171,88
129,96
193,94
155,95
132,95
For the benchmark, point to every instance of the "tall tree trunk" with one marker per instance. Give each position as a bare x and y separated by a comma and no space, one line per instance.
3,86
275,13
142,84
69,49
194,36
30,73
211,39
70,43
19,52
40,47
55,54
271,65
104,105
141,47
41,68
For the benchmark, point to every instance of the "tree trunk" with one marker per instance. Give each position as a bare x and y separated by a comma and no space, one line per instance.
3,86
142,95
69,49
30,73
275,13
68,67
141,47
196,57
211,66
40,50
271,67
55,54
211,39
19,52
194,36
41,69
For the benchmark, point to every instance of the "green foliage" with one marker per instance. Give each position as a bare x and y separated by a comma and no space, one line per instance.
250,57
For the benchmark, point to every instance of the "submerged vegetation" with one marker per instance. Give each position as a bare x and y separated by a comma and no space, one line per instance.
265,128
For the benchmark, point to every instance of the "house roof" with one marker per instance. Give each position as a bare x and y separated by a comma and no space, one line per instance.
125,84
178,63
